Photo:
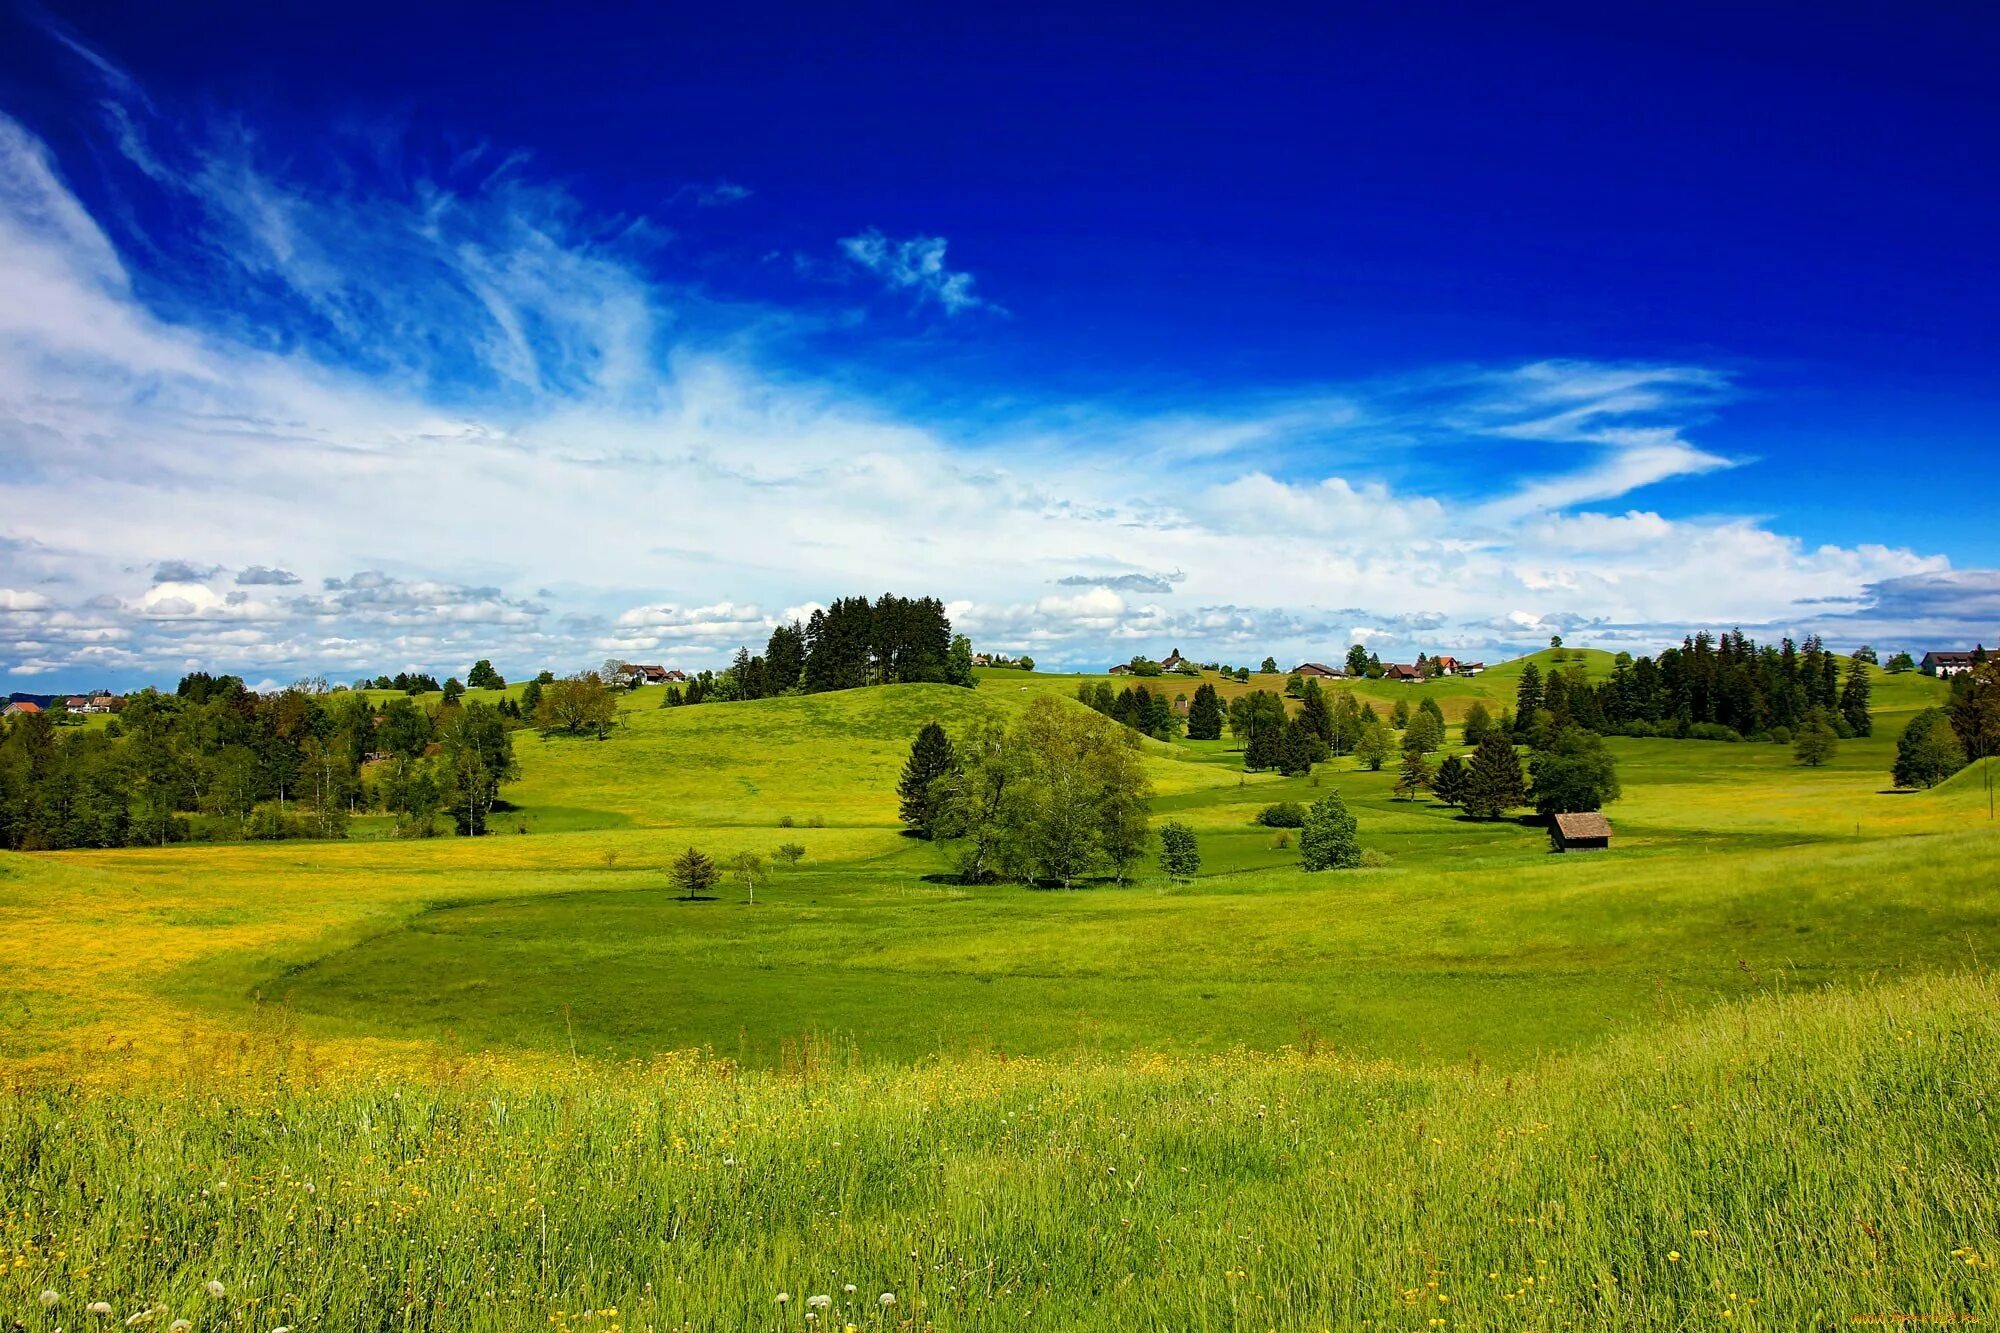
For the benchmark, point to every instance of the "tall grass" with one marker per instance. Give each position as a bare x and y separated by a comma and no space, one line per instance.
1782,1163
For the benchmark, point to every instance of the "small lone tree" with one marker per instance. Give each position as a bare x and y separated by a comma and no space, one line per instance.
748,867
1327,840
694,874
1928,751
931,758
1180,854
1415,774
1817,740
1494,784
790,853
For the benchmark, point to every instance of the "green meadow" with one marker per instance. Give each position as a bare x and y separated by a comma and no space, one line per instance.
1736,1072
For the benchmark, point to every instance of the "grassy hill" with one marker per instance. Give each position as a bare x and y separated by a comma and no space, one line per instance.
1758,1034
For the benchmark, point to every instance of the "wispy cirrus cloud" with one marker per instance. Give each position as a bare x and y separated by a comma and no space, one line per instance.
917,266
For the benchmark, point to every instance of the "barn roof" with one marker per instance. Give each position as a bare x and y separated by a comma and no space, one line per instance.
1586,824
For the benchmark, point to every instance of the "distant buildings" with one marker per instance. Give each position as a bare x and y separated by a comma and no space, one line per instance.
20,708
1951,664
1318,670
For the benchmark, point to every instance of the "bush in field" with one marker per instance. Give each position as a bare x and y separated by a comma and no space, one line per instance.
1285,814
1328,839
1928,751
1180,853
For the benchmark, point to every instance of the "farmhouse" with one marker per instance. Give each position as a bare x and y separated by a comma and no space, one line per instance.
76,703
638,673
1315,669
1175,662
1444,666
1409,675
1588,831
20,708
1121,670
1951,664
1467,668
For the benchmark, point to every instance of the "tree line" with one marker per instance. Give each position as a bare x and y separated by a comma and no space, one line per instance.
851,644
215,761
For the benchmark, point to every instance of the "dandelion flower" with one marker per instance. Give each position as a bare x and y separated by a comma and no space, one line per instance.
888,1299
819,1302
215,1288
50,1298
98,1307
1673,1256
784,1298
179,1326
850,1289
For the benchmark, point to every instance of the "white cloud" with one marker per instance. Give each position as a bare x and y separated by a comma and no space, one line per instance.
915,265
517,421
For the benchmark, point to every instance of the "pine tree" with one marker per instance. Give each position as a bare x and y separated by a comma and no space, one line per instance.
1328,839
1314,712
1204,719
1298,748
1477,723
931,758
1264,749
1399,716
1528,696
1854,700
1415,774
1449,782
1372,749
694,873
1494,784
1816,741
1180,853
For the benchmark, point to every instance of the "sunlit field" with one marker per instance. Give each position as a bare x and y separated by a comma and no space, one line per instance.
1737,1071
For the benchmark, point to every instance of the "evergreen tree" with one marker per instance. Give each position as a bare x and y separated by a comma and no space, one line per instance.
1204,719
1328,839
1494,783
1477,723
1528,694
1426,730
1372,748
1415,774
1314,712
1299,747
785,658
1449,782
1817,739
1928,751
1264,750
1180,853
1399,716
694,874
1854,700
931,758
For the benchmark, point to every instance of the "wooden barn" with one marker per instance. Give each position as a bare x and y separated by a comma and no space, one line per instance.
1585,832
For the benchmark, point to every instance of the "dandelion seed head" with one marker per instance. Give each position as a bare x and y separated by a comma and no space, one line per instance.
50,1298
214,1288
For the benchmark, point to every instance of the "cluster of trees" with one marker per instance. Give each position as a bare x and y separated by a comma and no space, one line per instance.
696,874
1145,710
1711,687
1058,796
852,643
1938,742
214,760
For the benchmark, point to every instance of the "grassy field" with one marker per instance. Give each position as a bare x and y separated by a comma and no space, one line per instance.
1759,1034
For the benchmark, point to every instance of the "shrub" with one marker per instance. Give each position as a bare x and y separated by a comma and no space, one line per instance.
1713,731
1285,814
1328,840
1780,735
1373,858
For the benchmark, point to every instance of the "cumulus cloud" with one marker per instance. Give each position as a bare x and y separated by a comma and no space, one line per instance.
916,266
460,393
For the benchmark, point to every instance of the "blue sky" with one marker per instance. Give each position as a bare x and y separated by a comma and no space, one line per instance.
348,341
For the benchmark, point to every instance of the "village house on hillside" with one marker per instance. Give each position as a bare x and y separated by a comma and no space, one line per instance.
1402,671
1951,664
638,673
1173,661
20,708
1316,669
1122,669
